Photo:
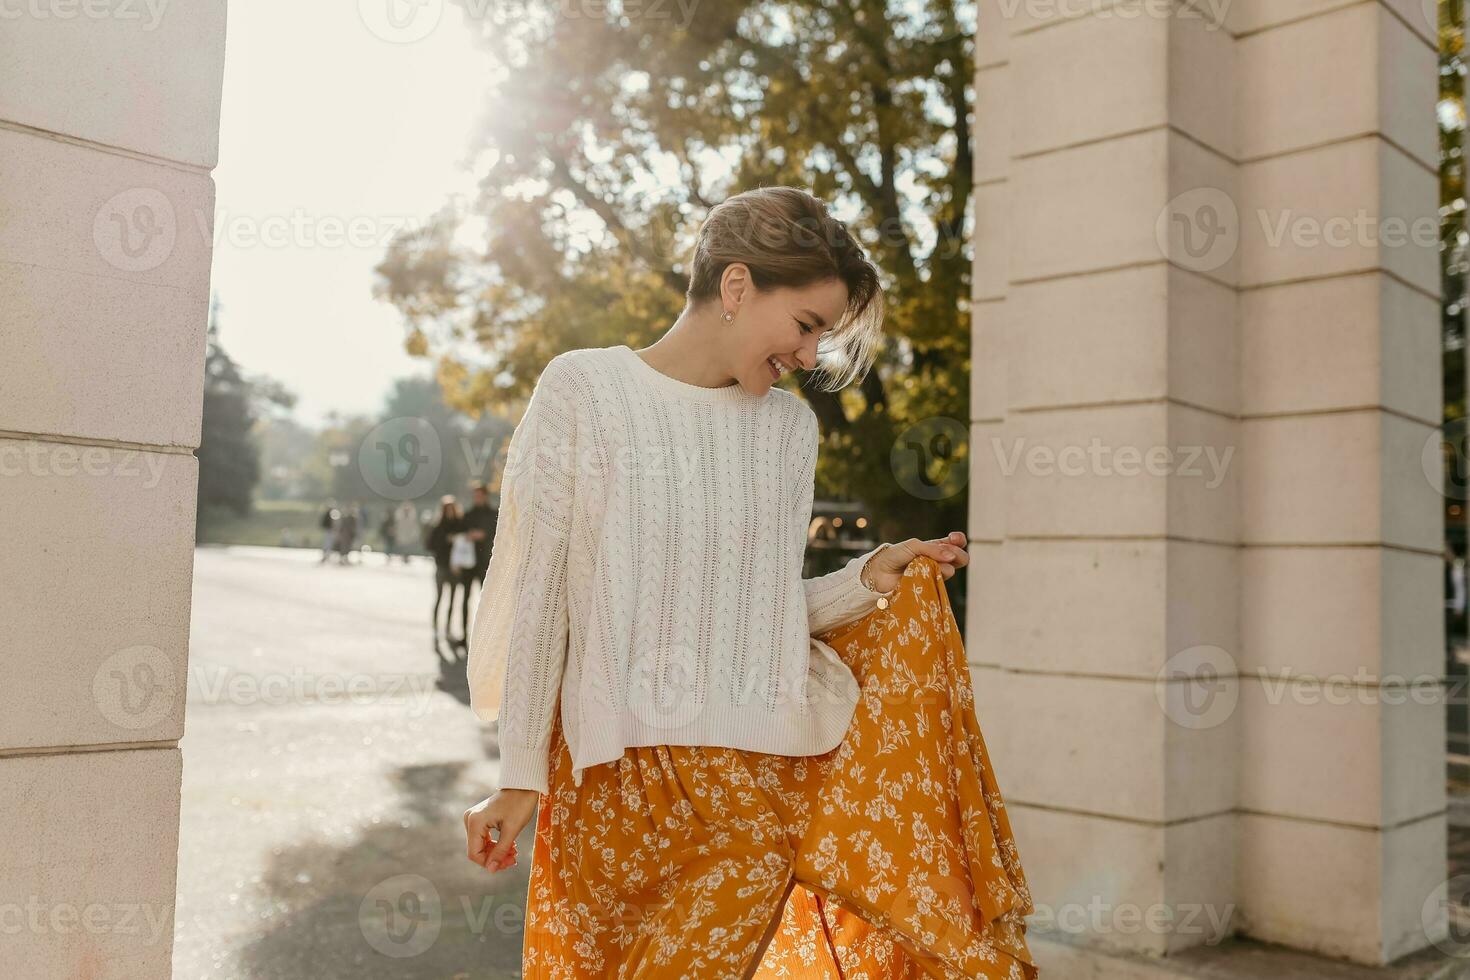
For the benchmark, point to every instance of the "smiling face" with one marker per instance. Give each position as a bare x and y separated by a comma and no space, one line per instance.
777,330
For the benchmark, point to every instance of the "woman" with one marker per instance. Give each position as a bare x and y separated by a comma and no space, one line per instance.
730,761
439,543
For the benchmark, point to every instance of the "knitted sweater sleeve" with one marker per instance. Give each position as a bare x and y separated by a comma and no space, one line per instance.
839,597
518,642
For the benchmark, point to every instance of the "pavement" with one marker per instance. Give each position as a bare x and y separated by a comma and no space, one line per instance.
329,756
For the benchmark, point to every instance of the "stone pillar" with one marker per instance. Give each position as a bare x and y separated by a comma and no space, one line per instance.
1205,366
109,119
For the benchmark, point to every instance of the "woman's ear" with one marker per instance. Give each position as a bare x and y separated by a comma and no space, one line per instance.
734,283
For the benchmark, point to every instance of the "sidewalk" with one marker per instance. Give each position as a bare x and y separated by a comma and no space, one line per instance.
329,755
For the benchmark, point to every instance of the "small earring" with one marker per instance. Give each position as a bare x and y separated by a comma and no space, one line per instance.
729,316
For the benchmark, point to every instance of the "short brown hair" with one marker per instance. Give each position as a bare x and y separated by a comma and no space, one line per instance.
786,237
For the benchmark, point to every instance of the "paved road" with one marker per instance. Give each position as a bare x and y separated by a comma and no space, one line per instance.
329,754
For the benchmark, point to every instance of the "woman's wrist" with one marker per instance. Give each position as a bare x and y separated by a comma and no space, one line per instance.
874,580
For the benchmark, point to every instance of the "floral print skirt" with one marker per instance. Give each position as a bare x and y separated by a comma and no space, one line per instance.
891,856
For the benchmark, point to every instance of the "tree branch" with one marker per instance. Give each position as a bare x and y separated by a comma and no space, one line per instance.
614,223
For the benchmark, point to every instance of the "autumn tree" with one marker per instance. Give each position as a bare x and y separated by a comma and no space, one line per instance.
614,128
229,453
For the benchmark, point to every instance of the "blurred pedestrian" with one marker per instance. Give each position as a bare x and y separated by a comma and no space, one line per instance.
387,531
440,542
406,527
346,532
328,525
479,523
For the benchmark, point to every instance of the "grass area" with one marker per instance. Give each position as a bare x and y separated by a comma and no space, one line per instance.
279,523
273,522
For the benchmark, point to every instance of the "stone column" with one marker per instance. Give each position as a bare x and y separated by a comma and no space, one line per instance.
1205,366
109,118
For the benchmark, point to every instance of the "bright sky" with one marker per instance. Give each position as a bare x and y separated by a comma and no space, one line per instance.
331,137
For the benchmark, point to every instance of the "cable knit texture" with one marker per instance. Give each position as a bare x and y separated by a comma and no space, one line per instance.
646,573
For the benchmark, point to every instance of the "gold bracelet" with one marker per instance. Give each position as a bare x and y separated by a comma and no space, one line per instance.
883,597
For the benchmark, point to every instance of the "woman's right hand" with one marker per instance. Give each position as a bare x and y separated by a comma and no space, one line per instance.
508,812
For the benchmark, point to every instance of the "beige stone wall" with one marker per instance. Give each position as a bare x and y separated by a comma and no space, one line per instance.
1214,238
109,120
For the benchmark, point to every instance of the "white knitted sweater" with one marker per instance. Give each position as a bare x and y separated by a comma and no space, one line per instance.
646,572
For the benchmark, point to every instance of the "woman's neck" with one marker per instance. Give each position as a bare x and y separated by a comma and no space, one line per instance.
691,351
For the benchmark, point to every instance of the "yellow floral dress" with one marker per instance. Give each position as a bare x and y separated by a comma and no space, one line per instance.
890,856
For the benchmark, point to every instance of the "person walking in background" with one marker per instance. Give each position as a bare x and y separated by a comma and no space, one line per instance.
387,531
406,528
479,523
329,529
346,534
440,542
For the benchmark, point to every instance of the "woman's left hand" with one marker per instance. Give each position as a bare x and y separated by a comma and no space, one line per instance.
886,567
